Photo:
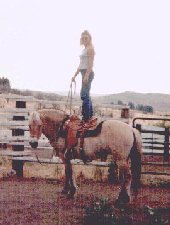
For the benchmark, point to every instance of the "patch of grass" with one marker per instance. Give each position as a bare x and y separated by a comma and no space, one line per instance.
159,183
155,217
100,212
103,213
163,124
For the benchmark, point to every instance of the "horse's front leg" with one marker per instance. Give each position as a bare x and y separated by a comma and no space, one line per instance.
124,195
72,184
67,183
69,186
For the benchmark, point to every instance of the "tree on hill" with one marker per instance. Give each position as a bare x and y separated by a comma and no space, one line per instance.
119,102
139,107
145,108
4,85
131,105
148,109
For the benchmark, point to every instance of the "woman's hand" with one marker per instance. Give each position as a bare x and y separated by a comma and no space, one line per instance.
75,75
73,79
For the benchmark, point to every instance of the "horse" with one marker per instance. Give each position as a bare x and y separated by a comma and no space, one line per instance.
113,137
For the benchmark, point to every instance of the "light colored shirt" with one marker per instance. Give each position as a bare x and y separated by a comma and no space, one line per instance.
84,60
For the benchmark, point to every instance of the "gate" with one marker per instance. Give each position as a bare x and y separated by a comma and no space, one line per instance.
155,139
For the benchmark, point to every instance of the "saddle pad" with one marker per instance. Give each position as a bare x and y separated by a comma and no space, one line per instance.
91,133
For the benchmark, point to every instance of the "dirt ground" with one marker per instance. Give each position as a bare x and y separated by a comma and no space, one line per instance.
40,202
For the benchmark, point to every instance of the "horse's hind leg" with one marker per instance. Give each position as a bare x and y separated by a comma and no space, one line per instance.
69,186
124,195
67,183
66,159
72,185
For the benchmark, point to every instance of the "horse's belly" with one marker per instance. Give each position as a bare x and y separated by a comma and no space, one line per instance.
118,137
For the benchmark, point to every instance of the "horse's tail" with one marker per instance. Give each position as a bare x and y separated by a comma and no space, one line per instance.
135,156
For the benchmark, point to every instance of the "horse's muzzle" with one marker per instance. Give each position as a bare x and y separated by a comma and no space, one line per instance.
34,144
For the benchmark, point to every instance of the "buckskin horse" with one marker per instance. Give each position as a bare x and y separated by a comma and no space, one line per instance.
108,137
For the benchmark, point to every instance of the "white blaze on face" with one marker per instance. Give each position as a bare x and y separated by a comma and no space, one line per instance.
33,139
35,125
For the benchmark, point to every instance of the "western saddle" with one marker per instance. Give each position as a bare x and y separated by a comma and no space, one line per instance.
75,125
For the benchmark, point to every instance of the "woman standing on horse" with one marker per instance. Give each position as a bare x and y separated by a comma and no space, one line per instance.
86,70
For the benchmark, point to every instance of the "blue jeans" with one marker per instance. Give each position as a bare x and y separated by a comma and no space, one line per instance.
87,109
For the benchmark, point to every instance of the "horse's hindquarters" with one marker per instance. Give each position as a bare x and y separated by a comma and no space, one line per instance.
116,139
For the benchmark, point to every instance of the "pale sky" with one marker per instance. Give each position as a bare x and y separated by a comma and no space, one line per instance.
39,44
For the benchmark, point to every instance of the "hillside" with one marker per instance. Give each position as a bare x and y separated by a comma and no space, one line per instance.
39,94
160,102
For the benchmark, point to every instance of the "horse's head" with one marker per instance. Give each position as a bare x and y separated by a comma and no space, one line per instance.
35,128
48,122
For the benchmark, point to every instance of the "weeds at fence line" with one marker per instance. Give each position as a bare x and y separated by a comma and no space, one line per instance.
155,217
102,212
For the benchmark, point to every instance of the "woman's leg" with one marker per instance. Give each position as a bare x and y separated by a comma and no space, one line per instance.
87,109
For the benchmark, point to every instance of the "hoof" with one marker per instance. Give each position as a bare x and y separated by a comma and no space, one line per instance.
72,191
64,192
70,196
122,200
121,203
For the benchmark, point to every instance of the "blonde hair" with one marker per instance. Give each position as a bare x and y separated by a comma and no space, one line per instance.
86,32
34,117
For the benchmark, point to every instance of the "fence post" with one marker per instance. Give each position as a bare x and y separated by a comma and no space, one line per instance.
166,144
139,127
18,165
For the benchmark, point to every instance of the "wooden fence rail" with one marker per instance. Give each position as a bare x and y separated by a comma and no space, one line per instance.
162,143
158,143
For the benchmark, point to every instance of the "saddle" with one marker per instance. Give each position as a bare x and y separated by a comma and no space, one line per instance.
79,129
71,126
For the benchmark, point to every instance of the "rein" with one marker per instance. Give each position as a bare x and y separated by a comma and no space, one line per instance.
70,96
55,139
68,102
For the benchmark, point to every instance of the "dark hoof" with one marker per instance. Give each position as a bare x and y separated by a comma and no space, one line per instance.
64,192
71,193
122,200
70,196
120,204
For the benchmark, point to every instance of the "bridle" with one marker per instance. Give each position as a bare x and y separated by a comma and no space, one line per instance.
61,123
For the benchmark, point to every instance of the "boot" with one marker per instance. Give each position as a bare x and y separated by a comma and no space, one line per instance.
90,122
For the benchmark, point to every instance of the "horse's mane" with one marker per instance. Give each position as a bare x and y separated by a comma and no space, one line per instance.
52,114
34,117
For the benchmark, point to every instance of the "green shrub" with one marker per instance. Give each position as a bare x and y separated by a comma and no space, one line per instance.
100,213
